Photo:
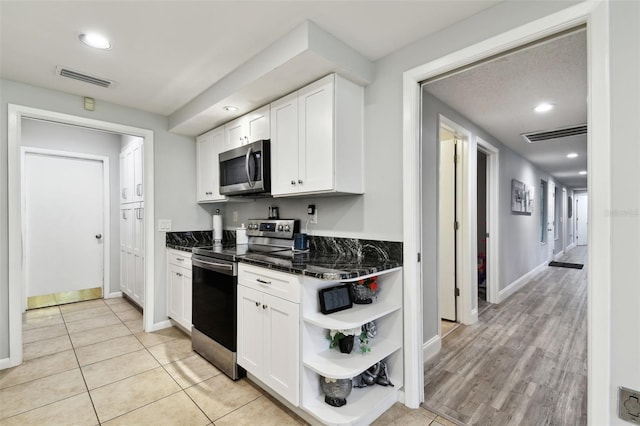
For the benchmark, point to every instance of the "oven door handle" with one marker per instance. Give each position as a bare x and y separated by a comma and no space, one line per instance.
225,268
246,167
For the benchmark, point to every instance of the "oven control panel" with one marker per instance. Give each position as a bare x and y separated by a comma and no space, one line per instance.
273,228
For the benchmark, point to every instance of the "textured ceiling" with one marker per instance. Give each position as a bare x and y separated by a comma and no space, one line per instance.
499,96
167,52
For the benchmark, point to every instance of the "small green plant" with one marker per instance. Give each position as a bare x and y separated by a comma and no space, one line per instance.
364,341
336,335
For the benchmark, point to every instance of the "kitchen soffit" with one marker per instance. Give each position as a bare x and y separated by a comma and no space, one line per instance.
300,57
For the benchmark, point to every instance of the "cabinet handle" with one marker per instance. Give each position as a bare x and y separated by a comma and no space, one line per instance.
124,214
263,281
264,306
246,140
139,189
257,304
293,182
179,274
124,193
300,181
179,259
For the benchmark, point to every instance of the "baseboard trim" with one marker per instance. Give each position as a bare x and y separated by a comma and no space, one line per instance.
519,283
431,347
114,295
570,246
5,363
558,255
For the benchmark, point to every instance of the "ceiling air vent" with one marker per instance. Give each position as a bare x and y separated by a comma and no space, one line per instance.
547,135
66,72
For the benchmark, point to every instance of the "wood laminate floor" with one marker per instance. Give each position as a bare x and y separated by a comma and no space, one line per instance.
524,362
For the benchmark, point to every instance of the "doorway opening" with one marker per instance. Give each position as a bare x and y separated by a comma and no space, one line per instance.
482,226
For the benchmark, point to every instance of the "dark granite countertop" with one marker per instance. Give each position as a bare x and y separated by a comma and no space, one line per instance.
324,266
188,248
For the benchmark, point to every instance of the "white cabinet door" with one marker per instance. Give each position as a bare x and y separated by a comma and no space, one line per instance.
127,265
281,347
235,132
208,148
284,145
126,176
175,308
316,136
187,298
250,329
258,124
137,172
138,252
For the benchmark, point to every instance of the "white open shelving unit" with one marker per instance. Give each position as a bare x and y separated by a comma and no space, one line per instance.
363,404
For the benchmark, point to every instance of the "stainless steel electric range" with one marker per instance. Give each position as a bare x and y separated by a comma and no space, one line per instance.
215,289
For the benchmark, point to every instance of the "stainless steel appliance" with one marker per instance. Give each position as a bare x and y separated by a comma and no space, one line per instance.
215,289
246,170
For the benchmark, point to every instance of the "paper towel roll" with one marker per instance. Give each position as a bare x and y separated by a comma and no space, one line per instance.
217,228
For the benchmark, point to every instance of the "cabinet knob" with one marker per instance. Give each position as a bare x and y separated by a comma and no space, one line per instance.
257,303
98,236
264,307
300,181
293,182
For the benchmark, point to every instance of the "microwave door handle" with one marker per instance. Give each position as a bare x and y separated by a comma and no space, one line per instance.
246,166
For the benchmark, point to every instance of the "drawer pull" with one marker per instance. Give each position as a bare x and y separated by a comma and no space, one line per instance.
179,259
261,281
264,306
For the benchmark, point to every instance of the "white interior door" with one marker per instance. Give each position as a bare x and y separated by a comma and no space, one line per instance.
582,219
446,231
64,207
551,215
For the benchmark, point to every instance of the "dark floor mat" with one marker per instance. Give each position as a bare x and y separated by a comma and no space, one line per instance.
567,265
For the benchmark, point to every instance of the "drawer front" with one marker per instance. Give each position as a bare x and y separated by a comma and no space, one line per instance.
279,284
179,258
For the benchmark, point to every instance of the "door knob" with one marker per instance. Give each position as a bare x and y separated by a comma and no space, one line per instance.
98,236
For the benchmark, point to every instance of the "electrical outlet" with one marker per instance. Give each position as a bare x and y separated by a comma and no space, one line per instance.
313,218
235,217
629,405
164,225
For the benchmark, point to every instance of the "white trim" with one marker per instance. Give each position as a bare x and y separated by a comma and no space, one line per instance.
493,221
106,213
571,246
431,347
15,115
596,15
159,326
466,196
114,295
558,255
520,282
5,363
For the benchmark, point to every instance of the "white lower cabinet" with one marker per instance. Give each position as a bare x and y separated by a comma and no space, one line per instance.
132,251
282,341
179,289
269,328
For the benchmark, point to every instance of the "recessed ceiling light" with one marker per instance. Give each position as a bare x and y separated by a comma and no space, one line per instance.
543,107
230,108
582,172
572,155
95,40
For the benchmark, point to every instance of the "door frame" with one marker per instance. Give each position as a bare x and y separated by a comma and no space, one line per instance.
551,217
106,217
493,228
14,125
466,213
596,16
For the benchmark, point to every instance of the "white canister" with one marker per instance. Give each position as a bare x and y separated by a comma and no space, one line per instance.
217,228
241,235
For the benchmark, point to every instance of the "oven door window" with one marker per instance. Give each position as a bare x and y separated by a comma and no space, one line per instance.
214,306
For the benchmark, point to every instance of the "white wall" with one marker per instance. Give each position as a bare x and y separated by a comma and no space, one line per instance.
174,181
44,134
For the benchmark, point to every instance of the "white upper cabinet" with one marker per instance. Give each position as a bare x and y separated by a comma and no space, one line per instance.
250,127
317,140
208,147
132,173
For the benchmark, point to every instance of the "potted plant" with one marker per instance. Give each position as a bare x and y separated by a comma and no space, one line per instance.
343,339
363,291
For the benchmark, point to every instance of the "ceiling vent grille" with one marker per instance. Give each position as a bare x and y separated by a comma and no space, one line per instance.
66,72
535,137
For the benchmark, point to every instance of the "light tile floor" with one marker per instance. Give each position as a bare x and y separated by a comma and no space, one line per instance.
90,363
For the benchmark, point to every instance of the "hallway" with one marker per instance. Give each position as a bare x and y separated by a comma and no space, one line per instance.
524,362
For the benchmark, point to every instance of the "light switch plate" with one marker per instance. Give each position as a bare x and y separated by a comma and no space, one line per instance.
164,225
629,405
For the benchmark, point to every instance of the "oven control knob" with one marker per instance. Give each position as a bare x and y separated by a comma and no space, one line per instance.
255,226
287,228
279,228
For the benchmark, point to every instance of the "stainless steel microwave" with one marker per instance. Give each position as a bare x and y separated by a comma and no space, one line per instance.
246,170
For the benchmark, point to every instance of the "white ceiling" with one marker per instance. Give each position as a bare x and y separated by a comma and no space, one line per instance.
499,96
165,53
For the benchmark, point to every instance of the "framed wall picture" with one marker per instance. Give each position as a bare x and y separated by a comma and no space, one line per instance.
521,198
